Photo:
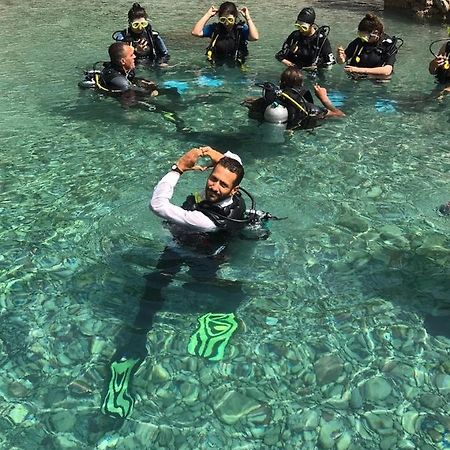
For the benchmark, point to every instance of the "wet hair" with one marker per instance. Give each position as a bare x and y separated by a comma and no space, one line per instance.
370,23
291,77
228,8
117,51
233,166
136,12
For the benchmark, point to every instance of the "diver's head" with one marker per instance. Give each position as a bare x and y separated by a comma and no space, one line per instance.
291,77
225,178
370,28
122,55
305,20
137,18
228,14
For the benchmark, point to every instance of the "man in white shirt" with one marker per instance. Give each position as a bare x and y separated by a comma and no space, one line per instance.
202,228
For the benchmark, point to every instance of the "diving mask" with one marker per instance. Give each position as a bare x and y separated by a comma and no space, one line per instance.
302,26
139,25
230,20
364,36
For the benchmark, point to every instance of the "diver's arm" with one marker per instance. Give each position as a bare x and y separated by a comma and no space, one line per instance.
376,71
285,51
253,34
161,50
341,55
160,204
437,62
322,95
326,57
198,27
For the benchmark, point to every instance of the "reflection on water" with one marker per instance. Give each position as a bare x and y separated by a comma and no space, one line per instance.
342,338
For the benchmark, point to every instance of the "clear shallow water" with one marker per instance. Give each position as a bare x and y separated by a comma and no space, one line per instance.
333,349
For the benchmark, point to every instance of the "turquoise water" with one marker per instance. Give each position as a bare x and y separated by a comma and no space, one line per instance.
333,350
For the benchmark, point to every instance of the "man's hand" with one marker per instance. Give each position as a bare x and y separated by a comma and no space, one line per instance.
353,69
214,155
212,11
245,13
341,56
440,60
320,91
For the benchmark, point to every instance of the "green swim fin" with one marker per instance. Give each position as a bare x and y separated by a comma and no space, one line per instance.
118,402
213,335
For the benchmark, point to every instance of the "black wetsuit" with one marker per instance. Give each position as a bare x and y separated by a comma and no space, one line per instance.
302,112
364,54
228,47
442,74
115,79
304,51
155,51
203,253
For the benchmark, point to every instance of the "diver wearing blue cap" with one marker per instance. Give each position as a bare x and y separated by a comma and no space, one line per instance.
308,46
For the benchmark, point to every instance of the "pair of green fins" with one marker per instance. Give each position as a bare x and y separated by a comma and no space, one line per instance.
209,341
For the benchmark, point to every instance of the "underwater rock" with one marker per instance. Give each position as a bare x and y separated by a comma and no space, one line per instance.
272,435
17,414
329,433
356,400
159,374
411,421
353,222
16,389
430,401
344,441
328,369
206,376
190,392
380,422
62,421
442,382
377,388
375,192
388,442
233,406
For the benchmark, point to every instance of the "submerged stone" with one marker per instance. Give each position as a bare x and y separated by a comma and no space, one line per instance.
328,369
233,406
377,388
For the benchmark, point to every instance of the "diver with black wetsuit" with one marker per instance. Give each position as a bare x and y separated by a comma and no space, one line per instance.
301,112
147,43
308,46
228,36
373,53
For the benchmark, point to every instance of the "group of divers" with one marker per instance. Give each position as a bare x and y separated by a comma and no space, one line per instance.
306,50
203,226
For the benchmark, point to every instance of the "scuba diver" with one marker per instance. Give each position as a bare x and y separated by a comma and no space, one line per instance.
147,43
440,65
117,78
291,103
372,54
308,47
202,229
228,36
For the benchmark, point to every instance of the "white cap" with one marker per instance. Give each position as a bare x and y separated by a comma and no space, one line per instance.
233,156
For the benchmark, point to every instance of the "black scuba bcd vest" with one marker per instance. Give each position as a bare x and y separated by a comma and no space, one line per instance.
443,74
228,218
226,45
133,39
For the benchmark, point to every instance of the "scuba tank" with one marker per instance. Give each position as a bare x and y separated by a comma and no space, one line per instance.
89,82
